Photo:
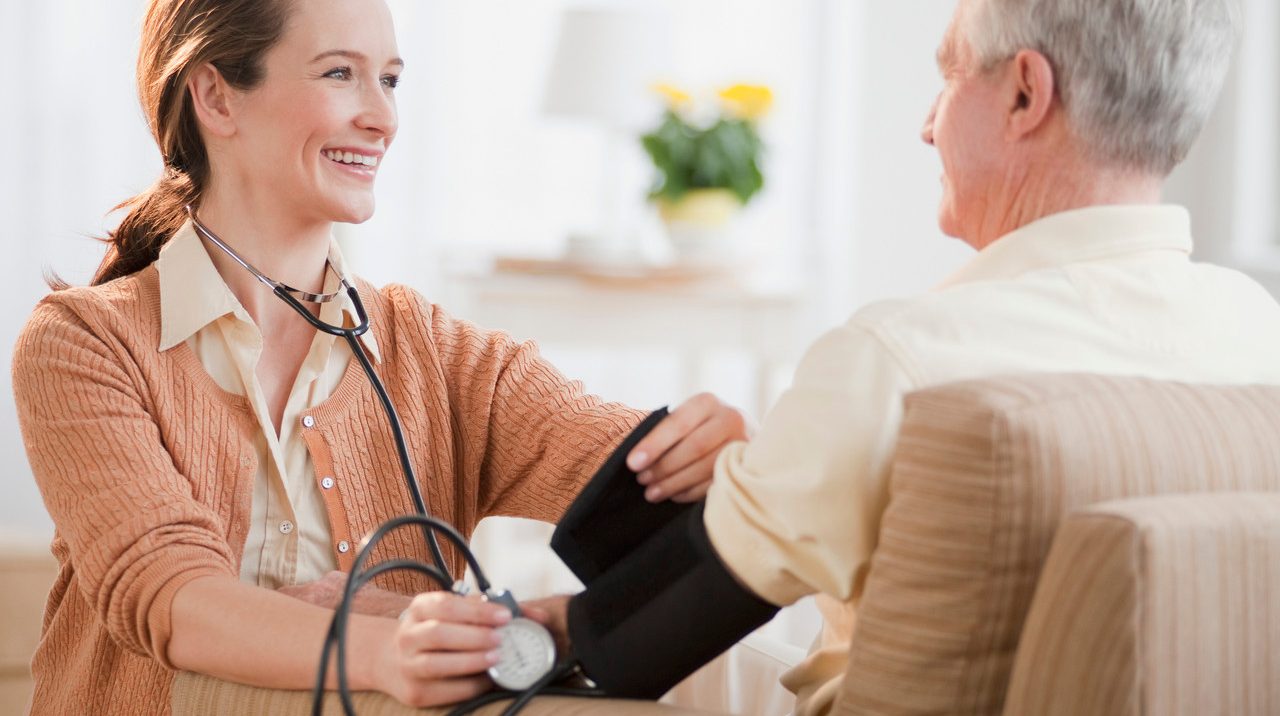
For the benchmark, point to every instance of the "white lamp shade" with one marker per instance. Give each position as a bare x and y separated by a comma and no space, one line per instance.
606,58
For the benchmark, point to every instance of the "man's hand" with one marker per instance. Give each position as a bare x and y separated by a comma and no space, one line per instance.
676,458
327,592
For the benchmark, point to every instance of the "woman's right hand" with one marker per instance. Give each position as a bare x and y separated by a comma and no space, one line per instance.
440,650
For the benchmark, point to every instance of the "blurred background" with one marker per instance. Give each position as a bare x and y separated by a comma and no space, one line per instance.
517,191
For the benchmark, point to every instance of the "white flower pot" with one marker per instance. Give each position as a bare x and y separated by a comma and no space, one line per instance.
700,227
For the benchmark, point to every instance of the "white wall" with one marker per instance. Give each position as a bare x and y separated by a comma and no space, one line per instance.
899,249
73,152
853,197
1231,179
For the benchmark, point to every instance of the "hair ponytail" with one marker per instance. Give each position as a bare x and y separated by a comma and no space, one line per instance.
179,37
154,216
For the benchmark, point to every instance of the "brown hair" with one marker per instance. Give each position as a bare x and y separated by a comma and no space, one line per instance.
179,37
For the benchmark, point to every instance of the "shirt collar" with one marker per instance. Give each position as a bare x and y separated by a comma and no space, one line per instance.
1087,234
193,294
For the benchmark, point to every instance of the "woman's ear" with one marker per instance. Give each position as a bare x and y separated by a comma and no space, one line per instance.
211,98
1032,88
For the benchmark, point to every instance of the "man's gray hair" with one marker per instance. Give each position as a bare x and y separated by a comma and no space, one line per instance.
1138,78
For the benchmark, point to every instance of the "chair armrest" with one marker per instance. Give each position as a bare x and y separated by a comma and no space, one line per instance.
1157,605
196,694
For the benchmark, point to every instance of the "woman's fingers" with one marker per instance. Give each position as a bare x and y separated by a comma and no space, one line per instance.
690,461
692,494
442,665
682,421
687,484
447,607
433,635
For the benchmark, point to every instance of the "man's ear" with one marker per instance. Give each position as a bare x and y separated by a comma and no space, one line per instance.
1032,90
211,99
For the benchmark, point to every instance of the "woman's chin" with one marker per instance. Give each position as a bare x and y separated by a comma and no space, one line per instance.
356,213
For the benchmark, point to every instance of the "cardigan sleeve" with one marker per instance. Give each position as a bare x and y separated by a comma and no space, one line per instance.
534,437
135,532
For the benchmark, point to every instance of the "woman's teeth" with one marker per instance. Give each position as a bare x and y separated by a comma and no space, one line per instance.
350,158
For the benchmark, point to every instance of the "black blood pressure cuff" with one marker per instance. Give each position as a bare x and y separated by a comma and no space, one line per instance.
661,613
659,602
610,517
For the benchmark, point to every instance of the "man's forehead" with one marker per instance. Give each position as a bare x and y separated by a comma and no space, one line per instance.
949,49
946,51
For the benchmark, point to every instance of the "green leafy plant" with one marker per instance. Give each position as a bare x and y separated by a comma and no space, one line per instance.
724,154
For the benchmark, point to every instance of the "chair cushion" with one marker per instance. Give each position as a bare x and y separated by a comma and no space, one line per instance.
198,695
985,471
1162,605
27,569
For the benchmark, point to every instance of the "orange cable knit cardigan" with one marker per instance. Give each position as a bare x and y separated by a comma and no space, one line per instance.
146,467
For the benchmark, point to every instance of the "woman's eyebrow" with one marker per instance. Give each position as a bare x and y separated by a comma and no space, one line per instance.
353,55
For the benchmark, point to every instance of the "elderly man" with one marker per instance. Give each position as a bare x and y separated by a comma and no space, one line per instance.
1057,125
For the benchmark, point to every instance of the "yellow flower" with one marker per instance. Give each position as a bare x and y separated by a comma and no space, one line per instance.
676,98
749,102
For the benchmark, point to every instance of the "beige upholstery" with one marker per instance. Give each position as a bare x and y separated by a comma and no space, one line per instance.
27,570
985,472
195,695
1150,606
1162,605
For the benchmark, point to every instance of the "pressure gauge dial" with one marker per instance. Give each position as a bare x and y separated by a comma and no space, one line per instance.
526,654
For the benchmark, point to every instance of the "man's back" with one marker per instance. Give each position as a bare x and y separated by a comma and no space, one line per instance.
1101,290
1064,295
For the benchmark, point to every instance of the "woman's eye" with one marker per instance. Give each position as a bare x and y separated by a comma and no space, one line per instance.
339,73
391,81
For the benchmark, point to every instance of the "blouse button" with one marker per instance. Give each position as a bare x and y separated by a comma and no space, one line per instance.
327,483
246,461
286,527
343,547
308,422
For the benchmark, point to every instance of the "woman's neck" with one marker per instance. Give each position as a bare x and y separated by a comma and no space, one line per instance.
286,250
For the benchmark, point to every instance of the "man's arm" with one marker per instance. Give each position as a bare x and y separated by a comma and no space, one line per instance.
797,510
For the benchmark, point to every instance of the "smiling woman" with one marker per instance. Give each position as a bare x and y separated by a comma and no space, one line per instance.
211,461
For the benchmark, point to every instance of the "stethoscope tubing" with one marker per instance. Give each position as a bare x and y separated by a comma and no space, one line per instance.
291,297
335,639
393,417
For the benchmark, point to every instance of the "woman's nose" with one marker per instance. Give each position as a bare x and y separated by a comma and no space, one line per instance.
378,113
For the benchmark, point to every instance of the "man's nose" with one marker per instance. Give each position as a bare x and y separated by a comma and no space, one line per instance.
926,132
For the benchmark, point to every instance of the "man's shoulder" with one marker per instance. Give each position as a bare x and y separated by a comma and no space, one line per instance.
948,305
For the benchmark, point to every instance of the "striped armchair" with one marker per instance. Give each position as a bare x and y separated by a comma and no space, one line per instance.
1054,544
1161,503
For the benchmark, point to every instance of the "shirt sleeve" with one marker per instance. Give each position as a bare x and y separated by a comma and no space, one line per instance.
533,437
797,510
134,531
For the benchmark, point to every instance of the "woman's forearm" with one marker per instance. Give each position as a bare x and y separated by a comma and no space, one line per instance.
249,635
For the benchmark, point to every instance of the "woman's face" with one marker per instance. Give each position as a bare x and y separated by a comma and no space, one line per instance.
311,136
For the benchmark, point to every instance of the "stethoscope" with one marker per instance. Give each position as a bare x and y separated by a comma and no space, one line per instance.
294,297
527,655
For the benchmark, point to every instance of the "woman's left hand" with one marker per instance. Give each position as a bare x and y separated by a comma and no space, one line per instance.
552,613
675,460
327,592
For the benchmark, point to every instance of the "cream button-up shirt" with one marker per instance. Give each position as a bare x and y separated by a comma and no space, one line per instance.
1107,290
289,537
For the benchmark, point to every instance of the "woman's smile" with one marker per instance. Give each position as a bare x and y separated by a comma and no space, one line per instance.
354,161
